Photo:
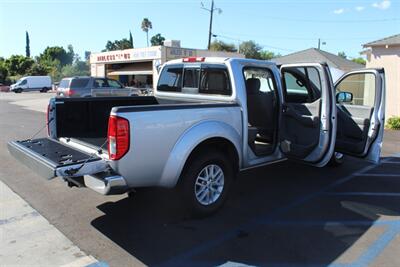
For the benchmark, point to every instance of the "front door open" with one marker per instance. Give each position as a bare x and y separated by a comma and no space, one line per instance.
360,99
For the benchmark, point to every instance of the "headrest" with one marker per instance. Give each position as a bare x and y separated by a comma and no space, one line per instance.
253,86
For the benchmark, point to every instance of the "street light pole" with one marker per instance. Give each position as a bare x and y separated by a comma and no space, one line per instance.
211,10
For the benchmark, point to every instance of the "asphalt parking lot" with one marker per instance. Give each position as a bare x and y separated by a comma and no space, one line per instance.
281,215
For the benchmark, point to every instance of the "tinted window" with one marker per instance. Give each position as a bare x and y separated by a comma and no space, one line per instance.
362,86
64,83
214,81
301,85
171,79
191,78
114,84
100,83
79,83
23,82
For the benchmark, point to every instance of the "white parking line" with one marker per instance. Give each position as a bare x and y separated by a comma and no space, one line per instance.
378,174
28,239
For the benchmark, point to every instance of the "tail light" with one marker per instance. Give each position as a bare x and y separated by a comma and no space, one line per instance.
47,119
70,92
118,137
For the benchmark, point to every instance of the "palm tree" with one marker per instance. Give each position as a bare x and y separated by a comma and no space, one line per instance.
146,26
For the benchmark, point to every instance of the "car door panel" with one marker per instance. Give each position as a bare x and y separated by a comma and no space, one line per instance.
307,128
359,124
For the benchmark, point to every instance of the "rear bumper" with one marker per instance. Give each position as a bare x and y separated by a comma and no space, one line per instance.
106,184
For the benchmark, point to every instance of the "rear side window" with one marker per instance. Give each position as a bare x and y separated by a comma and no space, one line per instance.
215,81
64,83
79,83
171,79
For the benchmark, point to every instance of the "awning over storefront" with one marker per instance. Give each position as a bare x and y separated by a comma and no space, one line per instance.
140,68
131,72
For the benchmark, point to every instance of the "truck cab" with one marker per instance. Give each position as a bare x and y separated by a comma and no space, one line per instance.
209,119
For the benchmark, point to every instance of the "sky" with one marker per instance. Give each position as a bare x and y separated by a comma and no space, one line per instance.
280,26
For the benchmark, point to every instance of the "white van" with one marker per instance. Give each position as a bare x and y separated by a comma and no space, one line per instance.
32,83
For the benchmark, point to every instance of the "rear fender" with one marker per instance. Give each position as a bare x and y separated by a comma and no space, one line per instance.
189,140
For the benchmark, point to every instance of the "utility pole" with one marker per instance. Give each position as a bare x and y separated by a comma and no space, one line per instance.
319,43
211,10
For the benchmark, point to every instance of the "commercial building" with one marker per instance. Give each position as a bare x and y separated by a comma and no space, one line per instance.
138,66
385,53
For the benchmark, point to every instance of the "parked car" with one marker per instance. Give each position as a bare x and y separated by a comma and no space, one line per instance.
32,83
210,118
4,88
91,86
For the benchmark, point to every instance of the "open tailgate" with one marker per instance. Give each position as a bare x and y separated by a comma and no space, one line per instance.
50,158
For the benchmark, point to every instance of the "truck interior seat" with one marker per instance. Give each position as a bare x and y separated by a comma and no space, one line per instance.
260,108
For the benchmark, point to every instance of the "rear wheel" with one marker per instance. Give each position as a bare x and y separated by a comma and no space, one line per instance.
336,160
44,90
205,182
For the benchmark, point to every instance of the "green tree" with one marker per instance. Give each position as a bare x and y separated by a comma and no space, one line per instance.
250,49
359,60
146,26
18,64
268,55
3,71
342,54
37,69
27,45
87,55
131,39
157,39
118,45
58,53
218,45
79,68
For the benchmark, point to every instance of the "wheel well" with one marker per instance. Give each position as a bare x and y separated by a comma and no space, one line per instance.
221,144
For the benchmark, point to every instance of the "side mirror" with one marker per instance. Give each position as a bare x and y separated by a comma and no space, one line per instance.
344,97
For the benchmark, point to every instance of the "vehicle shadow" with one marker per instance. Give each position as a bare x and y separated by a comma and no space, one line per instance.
276,215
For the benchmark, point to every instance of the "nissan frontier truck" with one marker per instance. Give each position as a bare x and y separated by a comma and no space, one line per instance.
209,119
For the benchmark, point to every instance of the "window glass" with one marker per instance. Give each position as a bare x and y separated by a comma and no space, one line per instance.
64,83
214,81
23,82
171,79
362,86
114,84
191,78
264,75
301,85
79,83
99,83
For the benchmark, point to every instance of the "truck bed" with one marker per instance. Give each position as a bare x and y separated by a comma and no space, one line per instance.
85,120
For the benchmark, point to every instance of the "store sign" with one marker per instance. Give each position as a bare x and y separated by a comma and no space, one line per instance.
114,57
173,52
126,55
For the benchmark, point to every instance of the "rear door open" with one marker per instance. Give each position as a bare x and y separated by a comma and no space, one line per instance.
360,97
307,127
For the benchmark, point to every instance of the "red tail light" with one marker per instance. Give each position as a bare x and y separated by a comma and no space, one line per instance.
194,59
118,137
47,119
70,92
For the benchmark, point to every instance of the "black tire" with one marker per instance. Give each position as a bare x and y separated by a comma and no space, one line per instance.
18,91
336,160
192,171
44,90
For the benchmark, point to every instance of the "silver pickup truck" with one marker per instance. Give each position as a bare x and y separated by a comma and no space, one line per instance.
209,119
